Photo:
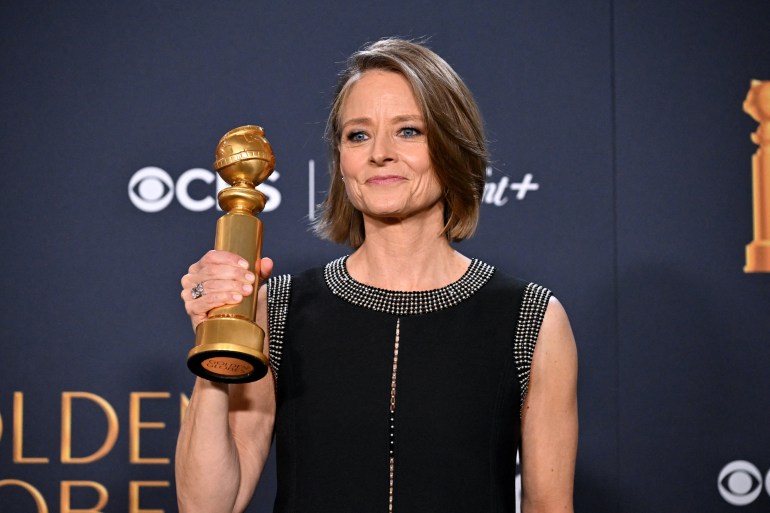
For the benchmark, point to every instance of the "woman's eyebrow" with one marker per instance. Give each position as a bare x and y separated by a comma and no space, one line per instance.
397,119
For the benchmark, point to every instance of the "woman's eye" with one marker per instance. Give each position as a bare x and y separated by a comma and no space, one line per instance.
409,132
356,137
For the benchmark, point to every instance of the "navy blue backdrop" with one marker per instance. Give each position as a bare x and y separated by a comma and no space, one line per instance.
621,179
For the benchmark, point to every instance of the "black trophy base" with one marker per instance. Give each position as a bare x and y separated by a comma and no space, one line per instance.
227,365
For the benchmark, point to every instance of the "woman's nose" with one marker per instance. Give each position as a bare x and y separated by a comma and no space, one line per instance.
382,151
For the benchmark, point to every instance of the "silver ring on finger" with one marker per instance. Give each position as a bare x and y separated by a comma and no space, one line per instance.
197,291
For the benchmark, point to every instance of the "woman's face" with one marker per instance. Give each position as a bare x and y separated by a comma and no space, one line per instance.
384,156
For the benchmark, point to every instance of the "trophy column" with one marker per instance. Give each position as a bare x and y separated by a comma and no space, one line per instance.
757,105
228,344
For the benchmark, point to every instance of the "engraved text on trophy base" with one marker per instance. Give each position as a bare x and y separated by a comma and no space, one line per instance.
227,366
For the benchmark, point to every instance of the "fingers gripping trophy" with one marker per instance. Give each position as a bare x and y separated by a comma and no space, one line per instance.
228,344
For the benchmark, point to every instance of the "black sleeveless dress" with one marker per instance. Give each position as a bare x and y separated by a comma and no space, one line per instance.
399,401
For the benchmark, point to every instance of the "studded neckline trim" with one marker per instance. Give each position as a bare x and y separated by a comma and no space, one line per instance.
403,303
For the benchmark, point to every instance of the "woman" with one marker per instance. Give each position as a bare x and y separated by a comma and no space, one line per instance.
401,374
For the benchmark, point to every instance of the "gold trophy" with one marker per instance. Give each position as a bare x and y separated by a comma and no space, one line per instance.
757,105
228,344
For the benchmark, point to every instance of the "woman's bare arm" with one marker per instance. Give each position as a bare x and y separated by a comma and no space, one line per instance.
225,437
549,423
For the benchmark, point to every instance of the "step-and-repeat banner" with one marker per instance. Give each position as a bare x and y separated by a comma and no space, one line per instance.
621,178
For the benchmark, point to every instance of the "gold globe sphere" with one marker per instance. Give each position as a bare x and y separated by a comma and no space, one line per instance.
244,156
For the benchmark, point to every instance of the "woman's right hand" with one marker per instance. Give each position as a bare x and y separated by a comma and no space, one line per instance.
225,437
225,278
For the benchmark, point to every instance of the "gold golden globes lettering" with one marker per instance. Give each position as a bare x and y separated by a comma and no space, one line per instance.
137,423
228,344
757,105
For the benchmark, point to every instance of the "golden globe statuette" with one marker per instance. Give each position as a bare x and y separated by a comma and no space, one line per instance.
228,344
757,105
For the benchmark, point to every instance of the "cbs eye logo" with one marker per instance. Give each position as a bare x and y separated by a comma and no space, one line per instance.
740,483
151,189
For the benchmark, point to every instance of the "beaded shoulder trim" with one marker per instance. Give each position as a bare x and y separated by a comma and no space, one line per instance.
533,306
278,292
404,303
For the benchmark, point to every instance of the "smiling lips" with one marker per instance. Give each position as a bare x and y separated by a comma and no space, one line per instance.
385,179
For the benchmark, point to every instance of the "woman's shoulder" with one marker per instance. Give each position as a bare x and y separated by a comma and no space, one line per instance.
523,287
307,280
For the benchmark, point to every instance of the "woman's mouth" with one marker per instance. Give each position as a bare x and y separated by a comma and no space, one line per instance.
385,179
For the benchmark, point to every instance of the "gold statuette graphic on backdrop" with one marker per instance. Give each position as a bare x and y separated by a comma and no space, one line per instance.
228,344
757,105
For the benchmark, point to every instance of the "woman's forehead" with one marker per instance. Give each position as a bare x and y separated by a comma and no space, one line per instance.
379,92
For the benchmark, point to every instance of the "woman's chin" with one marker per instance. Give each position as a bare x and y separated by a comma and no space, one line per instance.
397,211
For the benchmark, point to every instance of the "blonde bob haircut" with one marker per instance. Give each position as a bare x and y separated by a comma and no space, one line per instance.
455,136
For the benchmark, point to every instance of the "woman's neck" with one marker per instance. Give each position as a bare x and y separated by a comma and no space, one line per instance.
407,255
